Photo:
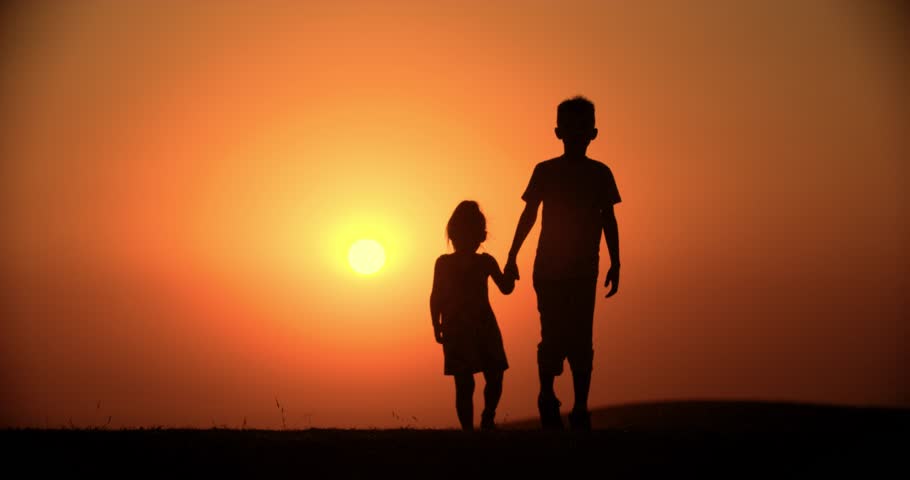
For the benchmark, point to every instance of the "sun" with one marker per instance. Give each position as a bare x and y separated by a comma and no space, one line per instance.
366,256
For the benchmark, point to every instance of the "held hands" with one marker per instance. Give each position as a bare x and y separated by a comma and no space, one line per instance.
511,269
612,277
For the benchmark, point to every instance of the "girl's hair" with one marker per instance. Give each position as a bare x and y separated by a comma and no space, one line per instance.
467,227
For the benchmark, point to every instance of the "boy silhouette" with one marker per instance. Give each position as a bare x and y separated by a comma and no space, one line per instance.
578,195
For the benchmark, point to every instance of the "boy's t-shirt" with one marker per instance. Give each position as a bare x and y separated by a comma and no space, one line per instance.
573,192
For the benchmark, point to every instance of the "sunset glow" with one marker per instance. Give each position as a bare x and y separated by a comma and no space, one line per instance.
366,256
206,205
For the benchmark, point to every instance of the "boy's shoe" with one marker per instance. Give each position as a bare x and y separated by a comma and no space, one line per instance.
580,421
549,412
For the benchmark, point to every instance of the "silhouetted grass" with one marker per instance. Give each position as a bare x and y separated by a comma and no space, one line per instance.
284,421
812,441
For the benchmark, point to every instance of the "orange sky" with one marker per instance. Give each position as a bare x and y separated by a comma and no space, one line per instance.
180,183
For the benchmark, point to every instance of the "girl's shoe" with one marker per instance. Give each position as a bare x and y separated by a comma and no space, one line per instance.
486,421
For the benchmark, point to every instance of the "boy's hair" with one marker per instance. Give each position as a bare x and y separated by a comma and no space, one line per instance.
576,113
467,228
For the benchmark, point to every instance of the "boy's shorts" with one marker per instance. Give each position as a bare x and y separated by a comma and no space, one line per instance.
566,323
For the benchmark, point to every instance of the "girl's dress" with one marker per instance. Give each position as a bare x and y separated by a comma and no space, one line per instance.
472,341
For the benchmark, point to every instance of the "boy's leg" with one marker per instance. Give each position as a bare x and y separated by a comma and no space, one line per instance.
547,403
581,363
492,392
547,380
550,350
464,400
581,353
580,417
581,382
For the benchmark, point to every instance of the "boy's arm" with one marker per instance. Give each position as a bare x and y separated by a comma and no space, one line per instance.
506,283
611,235
525,224
435,307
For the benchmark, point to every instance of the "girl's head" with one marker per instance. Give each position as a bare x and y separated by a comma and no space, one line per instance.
467,228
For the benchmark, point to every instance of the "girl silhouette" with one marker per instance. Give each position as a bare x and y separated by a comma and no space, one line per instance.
463,321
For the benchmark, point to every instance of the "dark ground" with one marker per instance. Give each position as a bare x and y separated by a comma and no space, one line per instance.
729,439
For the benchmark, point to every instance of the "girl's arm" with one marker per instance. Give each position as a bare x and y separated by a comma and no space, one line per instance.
436,301
506,283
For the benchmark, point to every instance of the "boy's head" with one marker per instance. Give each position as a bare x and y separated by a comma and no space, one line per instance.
575,121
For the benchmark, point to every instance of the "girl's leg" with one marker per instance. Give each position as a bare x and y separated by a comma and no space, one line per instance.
492,392
464,400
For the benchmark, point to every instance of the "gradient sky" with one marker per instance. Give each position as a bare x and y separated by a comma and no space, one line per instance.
180,183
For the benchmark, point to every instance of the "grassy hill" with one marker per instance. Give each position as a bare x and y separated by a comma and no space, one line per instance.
730,439
736,417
